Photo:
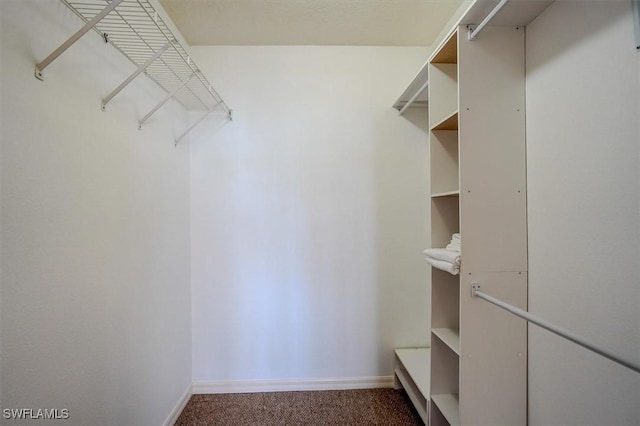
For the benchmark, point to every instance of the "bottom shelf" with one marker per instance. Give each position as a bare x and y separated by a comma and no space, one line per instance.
412,366
448,406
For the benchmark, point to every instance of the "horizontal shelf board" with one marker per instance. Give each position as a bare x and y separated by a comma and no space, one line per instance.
449,407
450,122
455,193
417,363
450,337
420,402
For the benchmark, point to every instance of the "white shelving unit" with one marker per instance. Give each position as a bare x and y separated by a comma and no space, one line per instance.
478,355
477,104
141,31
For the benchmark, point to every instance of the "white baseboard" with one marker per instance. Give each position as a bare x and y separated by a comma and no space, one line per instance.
250,386
175,413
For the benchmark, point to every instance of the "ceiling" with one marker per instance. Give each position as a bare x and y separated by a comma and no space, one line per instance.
311,22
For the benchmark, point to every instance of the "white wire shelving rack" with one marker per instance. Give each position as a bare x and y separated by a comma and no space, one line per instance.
137,30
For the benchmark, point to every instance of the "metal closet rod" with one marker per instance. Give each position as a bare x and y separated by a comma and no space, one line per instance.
475,30
163,32
475,292
414,97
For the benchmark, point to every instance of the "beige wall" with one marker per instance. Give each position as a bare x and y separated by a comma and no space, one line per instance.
95,231
309,215
583,91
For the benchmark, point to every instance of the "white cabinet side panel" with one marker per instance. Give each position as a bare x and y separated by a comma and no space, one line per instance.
492,151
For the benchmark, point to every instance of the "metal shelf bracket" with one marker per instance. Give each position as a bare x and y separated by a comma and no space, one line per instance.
140,70
164,101
145,36
186,132
82,31
414,97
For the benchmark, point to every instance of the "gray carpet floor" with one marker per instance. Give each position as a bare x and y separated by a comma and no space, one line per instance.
349,407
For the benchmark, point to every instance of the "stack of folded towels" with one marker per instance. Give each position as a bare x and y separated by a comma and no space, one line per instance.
448,258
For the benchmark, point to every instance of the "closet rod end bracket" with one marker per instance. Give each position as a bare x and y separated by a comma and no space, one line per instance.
470,32
475,287
38,74
230,115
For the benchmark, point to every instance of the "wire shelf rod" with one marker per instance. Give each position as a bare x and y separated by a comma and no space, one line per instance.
164,101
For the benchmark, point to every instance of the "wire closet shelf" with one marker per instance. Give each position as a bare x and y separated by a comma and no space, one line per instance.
136,30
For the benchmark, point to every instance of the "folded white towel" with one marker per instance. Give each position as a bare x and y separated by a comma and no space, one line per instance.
444,266
454,245
451,256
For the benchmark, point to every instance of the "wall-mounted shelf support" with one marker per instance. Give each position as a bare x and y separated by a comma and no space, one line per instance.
474,30
198,121
164,101
82,31
140,70
144,35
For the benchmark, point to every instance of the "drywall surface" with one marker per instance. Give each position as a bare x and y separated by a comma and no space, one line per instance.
95,231
583,91
308,215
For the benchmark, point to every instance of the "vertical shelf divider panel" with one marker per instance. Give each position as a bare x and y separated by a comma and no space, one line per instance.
493,366
492,150
493,358
445,220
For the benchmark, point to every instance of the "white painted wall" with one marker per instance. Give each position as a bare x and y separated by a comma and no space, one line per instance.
308,215
95,231
583,91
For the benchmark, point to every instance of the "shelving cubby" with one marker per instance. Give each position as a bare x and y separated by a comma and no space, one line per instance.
444,163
